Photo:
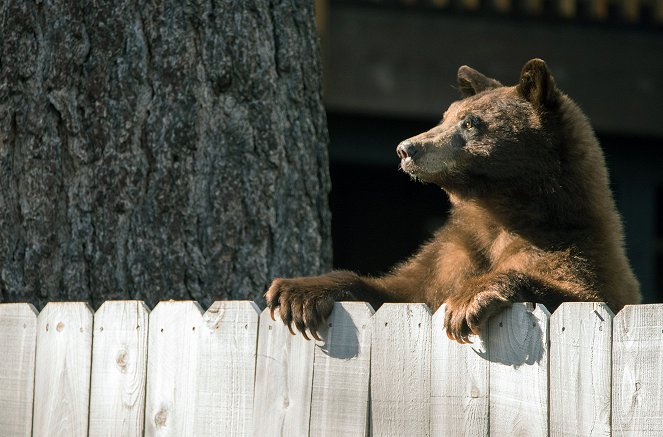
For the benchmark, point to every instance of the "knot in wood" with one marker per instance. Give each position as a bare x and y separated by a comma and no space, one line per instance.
160,418
121,360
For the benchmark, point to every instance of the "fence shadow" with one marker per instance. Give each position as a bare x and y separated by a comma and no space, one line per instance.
340,335
514,341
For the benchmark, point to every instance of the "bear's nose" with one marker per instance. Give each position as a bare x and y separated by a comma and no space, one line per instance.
406,150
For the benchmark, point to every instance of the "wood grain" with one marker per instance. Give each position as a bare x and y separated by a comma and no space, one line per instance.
637,376
518,353
172,361
119,369
400,371
341,370
18,340
62,376
284,376
459,384
580,369
226,367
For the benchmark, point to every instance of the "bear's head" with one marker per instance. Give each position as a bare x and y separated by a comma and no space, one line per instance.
494,138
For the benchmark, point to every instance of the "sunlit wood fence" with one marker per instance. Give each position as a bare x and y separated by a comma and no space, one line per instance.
232,371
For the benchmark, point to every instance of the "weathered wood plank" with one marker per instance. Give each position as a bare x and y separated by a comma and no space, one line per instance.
341,370
172,361
518,353
637,376
18,340
400,371
580,369
119,361
62,373
226,368
459,384
284,375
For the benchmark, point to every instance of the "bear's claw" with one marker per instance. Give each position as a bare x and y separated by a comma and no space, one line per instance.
466,314
300,305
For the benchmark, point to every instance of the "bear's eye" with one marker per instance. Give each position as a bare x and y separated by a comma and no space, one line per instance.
470,122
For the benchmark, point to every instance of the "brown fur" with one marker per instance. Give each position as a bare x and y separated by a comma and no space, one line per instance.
532,219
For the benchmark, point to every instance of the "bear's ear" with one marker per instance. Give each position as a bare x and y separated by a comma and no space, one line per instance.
472,82
537,84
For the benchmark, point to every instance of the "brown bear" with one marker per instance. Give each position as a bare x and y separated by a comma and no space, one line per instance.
532,217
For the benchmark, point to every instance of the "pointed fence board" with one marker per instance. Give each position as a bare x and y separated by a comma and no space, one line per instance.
580,369
62,376
226,368
119,361
518,354
637,375
172,360
400,371
284,376
18,340
459,384
341,370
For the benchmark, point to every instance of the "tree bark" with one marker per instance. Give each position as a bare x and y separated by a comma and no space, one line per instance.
159,149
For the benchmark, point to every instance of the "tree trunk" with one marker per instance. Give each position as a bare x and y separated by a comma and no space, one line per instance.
159,149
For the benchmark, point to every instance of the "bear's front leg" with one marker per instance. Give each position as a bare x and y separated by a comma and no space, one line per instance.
308,301
468,310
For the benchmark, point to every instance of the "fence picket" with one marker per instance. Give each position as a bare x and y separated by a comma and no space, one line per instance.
518,354
172,360
119,360
580,369
18,324
62,373
637,375
400,371
226,368
459,384
339,404
284,376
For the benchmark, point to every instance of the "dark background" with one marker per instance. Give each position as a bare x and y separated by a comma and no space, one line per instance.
390,71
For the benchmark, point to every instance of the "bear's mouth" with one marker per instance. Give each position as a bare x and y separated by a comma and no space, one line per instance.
419,168
414,170
408,165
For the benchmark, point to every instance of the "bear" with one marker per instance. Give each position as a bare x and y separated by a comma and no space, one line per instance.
532,216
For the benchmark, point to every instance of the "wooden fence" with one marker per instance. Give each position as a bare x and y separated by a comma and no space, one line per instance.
232,371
